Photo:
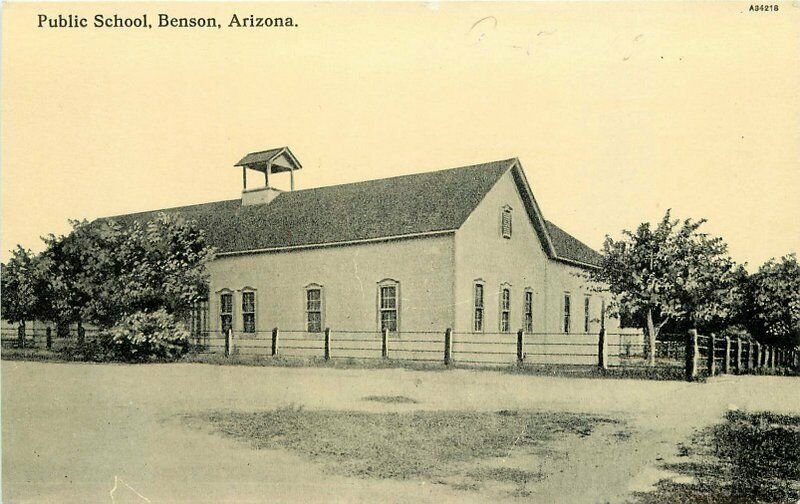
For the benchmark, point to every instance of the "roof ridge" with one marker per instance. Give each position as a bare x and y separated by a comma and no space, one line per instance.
267,150
171,209
395,177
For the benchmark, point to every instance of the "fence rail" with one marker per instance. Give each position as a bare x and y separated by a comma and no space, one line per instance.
699,355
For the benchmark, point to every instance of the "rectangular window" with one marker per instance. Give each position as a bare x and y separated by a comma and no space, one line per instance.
505,310
506,223
586,303
249,312
388,307
478,321
226,311
528,321
567,310
314,310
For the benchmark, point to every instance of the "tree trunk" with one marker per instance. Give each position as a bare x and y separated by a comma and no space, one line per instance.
81,333
651,339
21,334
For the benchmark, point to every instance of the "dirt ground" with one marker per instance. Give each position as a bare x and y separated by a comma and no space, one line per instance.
117,433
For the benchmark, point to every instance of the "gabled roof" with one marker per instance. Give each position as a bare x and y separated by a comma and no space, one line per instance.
271,158
410,205
259,157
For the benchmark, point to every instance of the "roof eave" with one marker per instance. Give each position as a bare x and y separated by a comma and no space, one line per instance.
378,239
278,152
541,229
576,263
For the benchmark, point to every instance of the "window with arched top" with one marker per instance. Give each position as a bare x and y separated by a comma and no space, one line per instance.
567,307
505,308
314,303
225,310
389,305
249,310
527,311
478,317
587,302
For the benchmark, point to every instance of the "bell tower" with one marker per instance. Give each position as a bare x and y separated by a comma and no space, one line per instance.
269,162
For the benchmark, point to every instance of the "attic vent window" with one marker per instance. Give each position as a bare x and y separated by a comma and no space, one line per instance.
505,222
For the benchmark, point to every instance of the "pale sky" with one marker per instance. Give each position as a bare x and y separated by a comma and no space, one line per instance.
616,111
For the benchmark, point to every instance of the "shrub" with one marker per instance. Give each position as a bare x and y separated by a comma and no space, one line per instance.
735,331
146,336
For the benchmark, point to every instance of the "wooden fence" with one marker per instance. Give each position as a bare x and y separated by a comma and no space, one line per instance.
698,355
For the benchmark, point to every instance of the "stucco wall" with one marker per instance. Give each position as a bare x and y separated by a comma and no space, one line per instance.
562,278
349,276
482,253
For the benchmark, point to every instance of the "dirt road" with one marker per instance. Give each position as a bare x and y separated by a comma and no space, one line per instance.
115,433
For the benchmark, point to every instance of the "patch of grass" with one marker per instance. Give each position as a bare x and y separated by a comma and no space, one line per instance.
777,371
637,373
71,353
335,363
751,457
507,475
422,444
466,486
32,354
398,399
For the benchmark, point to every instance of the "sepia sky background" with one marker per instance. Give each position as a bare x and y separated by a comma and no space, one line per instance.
616,111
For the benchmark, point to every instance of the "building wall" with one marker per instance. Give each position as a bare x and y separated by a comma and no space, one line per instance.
349,276
481,253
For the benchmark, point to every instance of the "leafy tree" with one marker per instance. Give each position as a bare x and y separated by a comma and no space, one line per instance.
81,268
773,302
163,266
22,281
670,272
104,270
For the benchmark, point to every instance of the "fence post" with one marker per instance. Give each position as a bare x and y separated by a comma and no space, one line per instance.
448,347
229,342
749,354
738,355
602,359
385,343
520,346
275,335
327,343
726,364
712,349
691,355
49,335
81,334
757,356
